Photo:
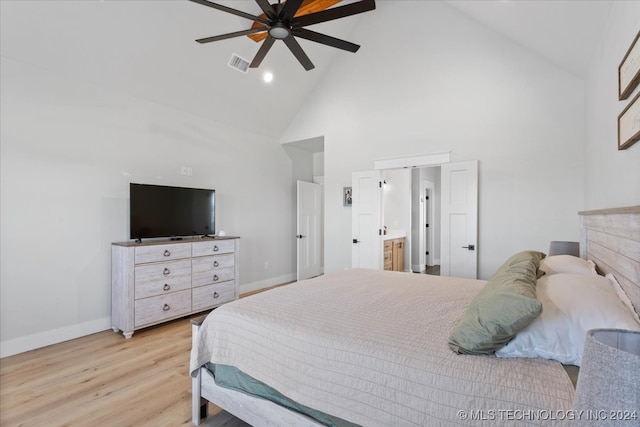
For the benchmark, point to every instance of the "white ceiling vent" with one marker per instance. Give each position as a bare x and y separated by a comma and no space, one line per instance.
239,63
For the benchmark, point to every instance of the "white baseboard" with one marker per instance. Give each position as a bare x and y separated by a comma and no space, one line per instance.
54,336
254,286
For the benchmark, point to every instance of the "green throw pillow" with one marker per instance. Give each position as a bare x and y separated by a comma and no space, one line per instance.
505,306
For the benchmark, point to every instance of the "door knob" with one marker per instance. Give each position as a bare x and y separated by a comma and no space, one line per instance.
356,241
300,236
470,247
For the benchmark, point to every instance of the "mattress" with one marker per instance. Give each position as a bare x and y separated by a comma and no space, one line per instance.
370,347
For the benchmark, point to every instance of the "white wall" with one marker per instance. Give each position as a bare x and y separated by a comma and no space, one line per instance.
453,85
612,177
69,150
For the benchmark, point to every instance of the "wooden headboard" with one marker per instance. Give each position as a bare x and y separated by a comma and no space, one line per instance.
611,239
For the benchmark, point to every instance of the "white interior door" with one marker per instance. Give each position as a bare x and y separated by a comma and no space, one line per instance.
366,220
459,247
309,230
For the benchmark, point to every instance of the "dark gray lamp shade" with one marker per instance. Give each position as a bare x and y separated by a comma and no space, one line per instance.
609,379
564,248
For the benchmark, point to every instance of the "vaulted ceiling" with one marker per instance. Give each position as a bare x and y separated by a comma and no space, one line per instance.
147,49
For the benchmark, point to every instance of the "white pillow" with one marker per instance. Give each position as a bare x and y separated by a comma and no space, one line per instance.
567,264
622,295
571,305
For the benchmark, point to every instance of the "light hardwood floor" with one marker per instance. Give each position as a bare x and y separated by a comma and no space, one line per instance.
103,380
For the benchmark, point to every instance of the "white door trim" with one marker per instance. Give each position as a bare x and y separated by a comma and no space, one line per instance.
433,159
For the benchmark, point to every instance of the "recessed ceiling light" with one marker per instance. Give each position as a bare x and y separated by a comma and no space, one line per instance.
267,77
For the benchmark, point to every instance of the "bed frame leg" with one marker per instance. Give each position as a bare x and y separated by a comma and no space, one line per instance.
196,408
199,406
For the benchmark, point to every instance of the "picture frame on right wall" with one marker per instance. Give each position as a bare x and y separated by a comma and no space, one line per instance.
629,70
629,124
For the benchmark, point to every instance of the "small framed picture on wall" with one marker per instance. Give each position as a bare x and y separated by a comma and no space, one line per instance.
629,70
629,124
347,196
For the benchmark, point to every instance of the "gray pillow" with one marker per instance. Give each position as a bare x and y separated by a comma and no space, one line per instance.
505,306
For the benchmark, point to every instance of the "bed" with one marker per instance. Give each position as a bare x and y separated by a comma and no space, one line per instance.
373,348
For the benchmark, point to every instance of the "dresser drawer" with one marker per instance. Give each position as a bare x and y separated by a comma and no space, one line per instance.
156,253
162,287
212,295
163,307
213,263
207,276
150,279
213,247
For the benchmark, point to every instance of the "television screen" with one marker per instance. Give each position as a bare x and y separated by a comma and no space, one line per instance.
162,211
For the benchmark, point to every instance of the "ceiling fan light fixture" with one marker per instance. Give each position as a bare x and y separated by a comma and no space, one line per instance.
279,31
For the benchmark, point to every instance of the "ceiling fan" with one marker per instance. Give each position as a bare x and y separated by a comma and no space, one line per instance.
281,23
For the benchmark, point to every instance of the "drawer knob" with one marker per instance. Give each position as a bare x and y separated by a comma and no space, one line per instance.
215,248
216,263
166,271
216,295
166,287
215,277
166,307
167,253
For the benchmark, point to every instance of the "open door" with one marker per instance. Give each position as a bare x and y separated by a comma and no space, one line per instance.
366,220
459,247
309,230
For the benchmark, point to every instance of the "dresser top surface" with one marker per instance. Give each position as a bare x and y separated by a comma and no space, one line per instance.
154,242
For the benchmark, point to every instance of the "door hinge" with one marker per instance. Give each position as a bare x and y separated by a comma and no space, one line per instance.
379,231
427,197
380,184
426,225
426,253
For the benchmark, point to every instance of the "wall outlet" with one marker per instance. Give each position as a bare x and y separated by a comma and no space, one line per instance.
189,171
183,170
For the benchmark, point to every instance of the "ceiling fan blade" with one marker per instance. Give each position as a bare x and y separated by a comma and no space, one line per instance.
231,35
334,13
267,8
297,51
325,39
290,9
231,10
262,52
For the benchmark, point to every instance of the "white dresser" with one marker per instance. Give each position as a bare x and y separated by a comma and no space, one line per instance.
156,281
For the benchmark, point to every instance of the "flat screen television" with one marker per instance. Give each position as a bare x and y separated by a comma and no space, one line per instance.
163,211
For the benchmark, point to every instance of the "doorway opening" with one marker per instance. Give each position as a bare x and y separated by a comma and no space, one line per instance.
307,232
425,225
411,213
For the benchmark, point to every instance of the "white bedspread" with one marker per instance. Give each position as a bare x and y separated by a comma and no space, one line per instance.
371,347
